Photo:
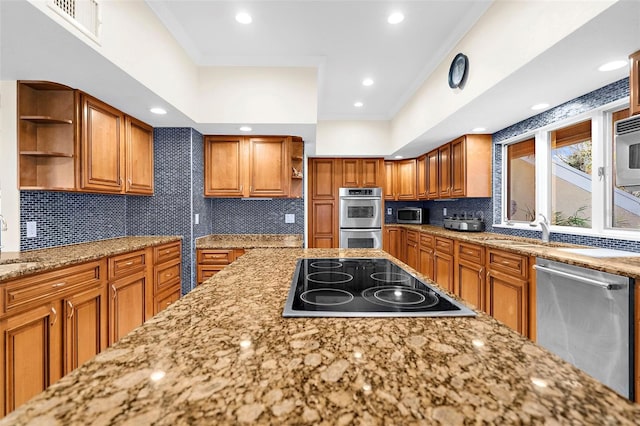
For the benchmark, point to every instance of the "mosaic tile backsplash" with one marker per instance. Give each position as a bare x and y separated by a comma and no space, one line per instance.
237,216
476,207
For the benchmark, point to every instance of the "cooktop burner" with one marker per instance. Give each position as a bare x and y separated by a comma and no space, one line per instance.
353,287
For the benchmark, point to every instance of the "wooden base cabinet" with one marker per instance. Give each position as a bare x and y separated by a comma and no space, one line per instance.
469,280
167,275
212,261
425,255
393,241
412,251
507,294
443,263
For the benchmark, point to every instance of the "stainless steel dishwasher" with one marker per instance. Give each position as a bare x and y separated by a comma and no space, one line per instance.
586,317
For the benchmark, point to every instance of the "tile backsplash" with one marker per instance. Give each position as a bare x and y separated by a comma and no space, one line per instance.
238,216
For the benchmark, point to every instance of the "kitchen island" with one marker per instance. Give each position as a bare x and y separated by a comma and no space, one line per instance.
224,354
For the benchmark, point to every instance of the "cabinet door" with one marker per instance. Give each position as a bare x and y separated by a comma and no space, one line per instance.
139,157
507,301
634,84
392,241
371,172
224,166
425,262
351,171
433,172
102,154
389,187
458,167
86,321
406,180
268,167
32,351
421,177
443,270
323,224
444,171
412,254
165,299
126,305
469,283
323,178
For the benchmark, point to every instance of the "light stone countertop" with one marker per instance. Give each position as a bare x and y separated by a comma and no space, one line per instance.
627,266
223,354
17,264
248,241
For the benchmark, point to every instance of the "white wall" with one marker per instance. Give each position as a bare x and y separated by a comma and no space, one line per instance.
505,38
10,197
257,95
353,138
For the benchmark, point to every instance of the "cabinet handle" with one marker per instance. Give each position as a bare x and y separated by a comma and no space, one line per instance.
71,309
480,272
129,181
168,274
115,290
167,252
58,285
55,316
129,263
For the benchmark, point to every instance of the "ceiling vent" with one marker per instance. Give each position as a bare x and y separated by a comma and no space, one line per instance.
83,14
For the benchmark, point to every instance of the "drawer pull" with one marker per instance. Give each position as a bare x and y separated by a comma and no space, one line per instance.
167,252
129,263
57,285
168,274
55,316
506,262
70,309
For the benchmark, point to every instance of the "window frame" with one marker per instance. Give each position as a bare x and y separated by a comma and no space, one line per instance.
601,186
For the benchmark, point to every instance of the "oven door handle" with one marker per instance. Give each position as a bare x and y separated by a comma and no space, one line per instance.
361,229
361,198
603,285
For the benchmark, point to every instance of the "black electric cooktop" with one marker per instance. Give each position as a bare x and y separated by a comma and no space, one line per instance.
352,287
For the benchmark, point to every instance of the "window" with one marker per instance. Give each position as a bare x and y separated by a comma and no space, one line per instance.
565,171
571,164
625,206
521,181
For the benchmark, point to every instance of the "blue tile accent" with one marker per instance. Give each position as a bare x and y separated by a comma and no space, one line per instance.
464,206
236,216
65,218
595,99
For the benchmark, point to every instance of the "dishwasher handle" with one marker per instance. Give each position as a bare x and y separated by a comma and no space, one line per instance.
585,280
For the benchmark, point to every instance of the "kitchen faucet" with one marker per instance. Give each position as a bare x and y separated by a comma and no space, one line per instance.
544,224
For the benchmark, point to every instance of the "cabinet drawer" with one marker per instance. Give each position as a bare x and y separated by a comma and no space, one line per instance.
40,287
471,252
510,263
166,252
207,271
126,264
444,245
412,236
215,257
166,275
163,300
427,240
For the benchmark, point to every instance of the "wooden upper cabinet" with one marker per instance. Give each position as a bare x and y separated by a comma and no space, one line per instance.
361,172
471,166
238,166
389,188
139,156
322,181
400,180
444,171
102,153
433,172
634,84
47,136
224,166
268,167
421,177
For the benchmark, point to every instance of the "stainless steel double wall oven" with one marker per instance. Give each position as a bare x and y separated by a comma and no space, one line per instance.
361,218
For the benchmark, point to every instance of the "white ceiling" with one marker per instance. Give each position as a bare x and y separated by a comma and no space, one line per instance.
346,40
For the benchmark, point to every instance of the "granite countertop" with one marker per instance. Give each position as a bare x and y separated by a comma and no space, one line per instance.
16,264
627,266
248,241
223,354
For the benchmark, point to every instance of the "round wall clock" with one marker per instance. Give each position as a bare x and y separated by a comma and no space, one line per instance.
458,71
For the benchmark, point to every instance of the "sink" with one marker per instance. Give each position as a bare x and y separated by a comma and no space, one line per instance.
599,252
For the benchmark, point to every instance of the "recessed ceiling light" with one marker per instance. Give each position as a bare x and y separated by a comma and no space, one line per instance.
398,157
479,129
367,82
244,18
358,104
538,107
613,65
395,18
245,128
158,110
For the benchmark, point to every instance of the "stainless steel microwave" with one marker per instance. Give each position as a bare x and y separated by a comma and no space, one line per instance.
627,144
415,215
